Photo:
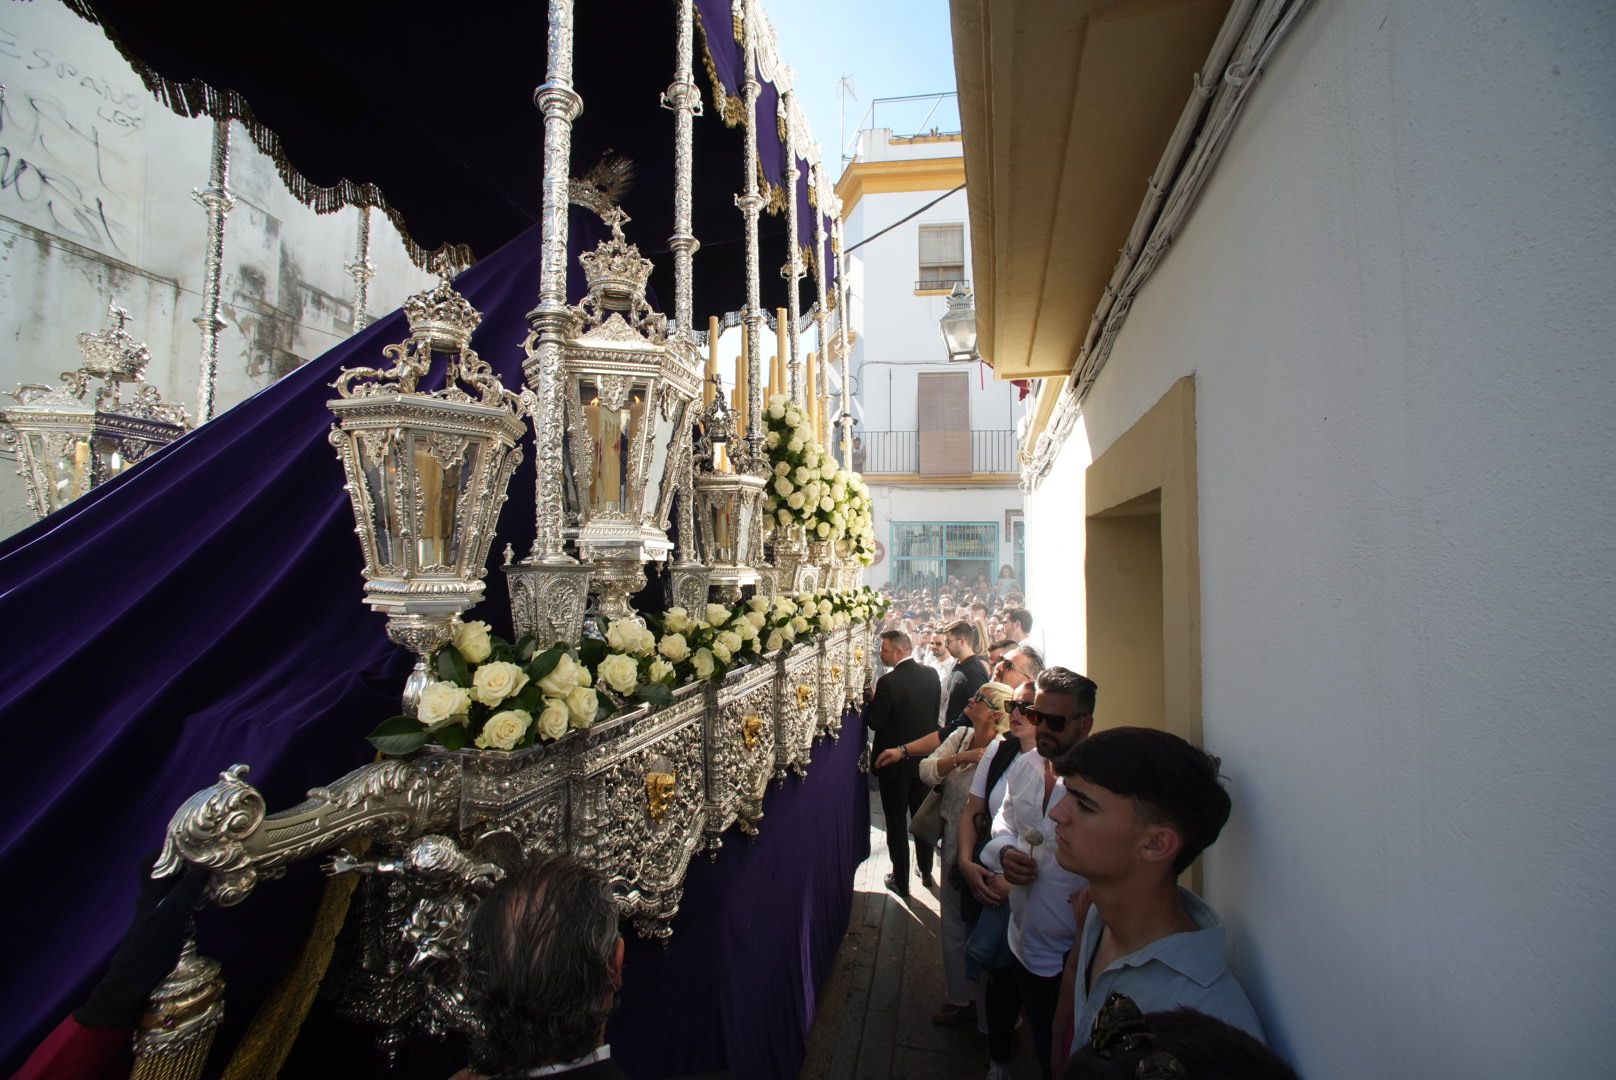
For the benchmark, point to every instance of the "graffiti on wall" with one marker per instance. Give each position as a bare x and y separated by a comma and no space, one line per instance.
68,147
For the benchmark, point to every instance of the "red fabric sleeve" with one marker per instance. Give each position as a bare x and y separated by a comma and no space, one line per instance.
76,1052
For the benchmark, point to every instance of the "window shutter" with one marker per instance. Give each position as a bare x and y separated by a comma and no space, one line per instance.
945,424
942,245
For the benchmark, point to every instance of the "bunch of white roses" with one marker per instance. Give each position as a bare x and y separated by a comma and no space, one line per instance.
494,695
807,487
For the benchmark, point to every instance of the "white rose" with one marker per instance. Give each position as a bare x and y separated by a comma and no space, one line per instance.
721,653
828,470
582,704
730,640
441,700
584,678
620,635
824,607
772,439
554,720
782,468
810,458
802,475
785,517
674,647
562,678
676,619
838,491
504,730
620,672
495,682
794,500
777,410
702,661
823,529
775,641
747,631
782,487
813,490
471,639
717,614
637,639
787,633
795,445
799,624
660,669
758,603
756,616
793,417
826,624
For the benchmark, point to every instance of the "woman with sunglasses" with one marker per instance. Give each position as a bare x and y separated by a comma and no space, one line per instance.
952,765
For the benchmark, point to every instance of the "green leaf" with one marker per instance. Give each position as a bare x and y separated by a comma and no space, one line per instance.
603,708
452,737
545,662
654,694
451,666
592,652
398,735
526,648
527,700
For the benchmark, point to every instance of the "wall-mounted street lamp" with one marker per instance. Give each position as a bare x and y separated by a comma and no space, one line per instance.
959,325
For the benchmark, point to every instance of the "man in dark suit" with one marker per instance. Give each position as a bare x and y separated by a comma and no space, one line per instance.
904,707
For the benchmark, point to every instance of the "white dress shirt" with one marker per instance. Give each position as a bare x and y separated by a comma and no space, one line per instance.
1041,922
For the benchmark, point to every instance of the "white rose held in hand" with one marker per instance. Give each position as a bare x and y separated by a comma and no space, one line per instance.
495,682
504,730
441,700
472,641
621,673
554,720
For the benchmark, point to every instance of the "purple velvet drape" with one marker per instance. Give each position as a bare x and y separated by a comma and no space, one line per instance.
202,609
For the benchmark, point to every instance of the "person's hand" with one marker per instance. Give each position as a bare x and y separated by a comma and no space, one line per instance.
890,756
1019,867
967,757
978,878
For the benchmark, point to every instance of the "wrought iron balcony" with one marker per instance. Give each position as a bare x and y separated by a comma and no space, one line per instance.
934,453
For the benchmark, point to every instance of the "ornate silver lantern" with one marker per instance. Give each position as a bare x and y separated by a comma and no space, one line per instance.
427,473
628,391
67,445
727,505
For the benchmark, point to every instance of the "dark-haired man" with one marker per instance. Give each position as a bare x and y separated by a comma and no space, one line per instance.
969,672
903,707
1042,926
1141,805
545,963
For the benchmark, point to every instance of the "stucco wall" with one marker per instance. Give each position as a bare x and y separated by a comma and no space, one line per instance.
95,203
892,502
1395,298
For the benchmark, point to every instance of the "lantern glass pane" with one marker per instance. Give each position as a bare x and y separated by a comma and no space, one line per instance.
379,463
443,471
613,434
109,459
662,449
66,462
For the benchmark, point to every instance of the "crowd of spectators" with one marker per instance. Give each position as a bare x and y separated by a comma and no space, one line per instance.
1060,851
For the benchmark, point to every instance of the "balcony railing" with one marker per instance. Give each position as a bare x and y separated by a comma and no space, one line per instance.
946,284
939,453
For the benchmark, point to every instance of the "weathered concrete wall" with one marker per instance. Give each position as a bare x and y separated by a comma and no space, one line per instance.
96,182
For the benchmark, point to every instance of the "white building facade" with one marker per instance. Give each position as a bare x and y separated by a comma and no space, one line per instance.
935,441
1332,494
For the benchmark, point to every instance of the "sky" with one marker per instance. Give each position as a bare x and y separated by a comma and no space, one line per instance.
889,48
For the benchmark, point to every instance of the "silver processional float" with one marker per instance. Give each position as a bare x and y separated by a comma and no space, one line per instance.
631,740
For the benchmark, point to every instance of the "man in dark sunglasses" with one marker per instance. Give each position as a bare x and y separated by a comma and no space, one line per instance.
1042,926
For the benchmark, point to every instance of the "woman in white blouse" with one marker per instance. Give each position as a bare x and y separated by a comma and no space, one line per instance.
952,765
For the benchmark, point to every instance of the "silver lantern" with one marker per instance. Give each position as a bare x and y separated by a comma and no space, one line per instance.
727,505
67,445
427,473
627,391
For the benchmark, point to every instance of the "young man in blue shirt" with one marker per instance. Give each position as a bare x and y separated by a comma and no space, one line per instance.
1141,805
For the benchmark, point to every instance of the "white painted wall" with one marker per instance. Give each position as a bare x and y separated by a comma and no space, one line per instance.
1396,298
95,203
892,502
